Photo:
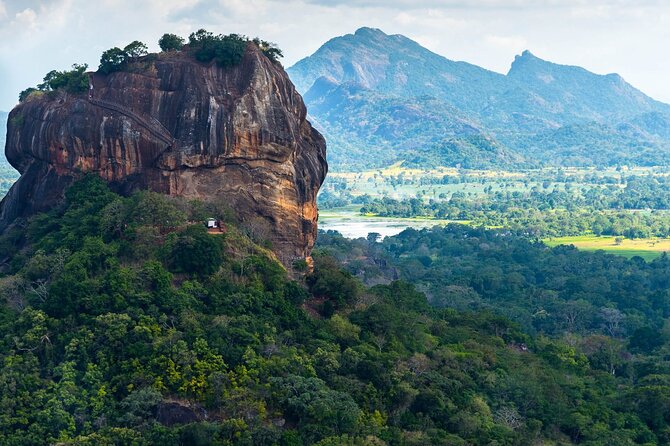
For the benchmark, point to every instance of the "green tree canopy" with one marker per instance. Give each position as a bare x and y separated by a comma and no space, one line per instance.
114,59
170,42
136,49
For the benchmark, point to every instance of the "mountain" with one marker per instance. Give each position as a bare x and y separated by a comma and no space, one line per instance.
356,86
354,118
399,66
567,94
236,134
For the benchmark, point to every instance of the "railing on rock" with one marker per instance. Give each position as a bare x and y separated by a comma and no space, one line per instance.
153,125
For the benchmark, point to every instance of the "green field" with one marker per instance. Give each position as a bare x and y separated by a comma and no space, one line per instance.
400,182
648,249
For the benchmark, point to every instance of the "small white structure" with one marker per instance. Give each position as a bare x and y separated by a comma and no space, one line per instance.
212,223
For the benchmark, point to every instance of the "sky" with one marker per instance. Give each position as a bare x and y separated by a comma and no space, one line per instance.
629,37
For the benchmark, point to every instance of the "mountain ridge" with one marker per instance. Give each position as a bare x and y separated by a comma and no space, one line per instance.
370,74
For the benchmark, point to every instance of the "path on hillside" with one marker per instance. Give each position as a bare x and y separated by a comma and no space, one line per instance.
153,125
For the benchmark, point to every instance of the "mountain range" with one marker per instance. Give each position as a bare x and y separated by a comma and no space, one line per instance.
382,98
3,134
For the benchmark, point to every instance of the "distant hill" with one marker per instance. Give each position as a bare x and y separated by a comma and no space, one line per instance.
381,98
3,134
7,173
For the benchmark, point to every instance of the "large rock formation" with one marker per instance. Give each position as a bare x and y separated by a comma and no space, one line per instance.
183,128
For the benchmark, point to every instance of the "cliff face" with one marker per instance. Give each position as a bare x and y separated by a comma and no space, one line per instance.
178,127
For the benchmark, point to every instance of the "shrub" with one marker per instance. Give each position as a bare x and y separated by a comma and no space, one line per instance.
25,94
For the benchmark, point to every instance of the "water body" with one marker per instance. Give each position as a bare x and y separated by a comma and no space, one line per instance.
351,224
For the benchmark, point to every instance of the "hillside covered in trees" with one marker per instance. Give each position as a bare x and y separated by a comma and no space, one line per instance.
122,323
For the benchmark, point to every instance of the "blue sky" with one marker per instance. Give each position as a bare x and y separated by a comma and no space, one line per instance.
623,36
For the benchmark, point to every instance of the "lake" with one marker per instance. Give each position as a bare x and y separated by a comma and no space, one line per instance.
351,224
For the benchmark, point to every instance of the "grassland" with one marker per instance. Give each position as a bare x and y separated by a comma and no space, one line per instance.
648,248
399,182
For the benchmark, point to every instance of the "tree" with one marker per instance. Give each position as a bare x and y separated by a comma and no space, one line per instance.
73,81
612,319
154,209
225,50
114,59
373,237
195,251
170,42
13,291
646,339
269,49
136,49
320,410
329,281
25,94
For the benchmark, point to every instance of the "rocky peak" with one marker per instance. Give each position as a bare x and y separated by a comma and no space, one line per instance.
370,33
526,61
183,128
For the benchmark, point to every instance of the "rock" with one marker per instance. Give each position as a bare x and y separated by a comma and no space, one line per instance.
171,413
179,127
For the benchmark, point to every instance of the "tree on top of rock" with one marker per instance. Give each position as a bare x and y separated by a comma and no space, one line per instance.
170,42
136,49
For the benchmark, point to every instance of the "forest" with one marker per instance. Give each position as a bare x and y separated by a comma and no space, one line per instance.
124,324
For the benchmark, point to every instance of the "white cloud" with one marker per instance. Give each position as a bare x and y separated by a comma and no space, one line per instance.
27,19
625,36
428,41
514,43
431,18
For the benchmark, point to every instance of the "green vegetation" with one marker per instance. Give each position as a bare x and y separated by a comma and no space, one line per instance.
539,203
647,248
113,59
473,268
136,49
72,81
171,42
269,49
117,59
111,334
225,50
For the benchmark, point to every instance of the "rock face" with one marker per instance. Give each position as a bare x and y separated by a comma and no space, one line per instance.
183,128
